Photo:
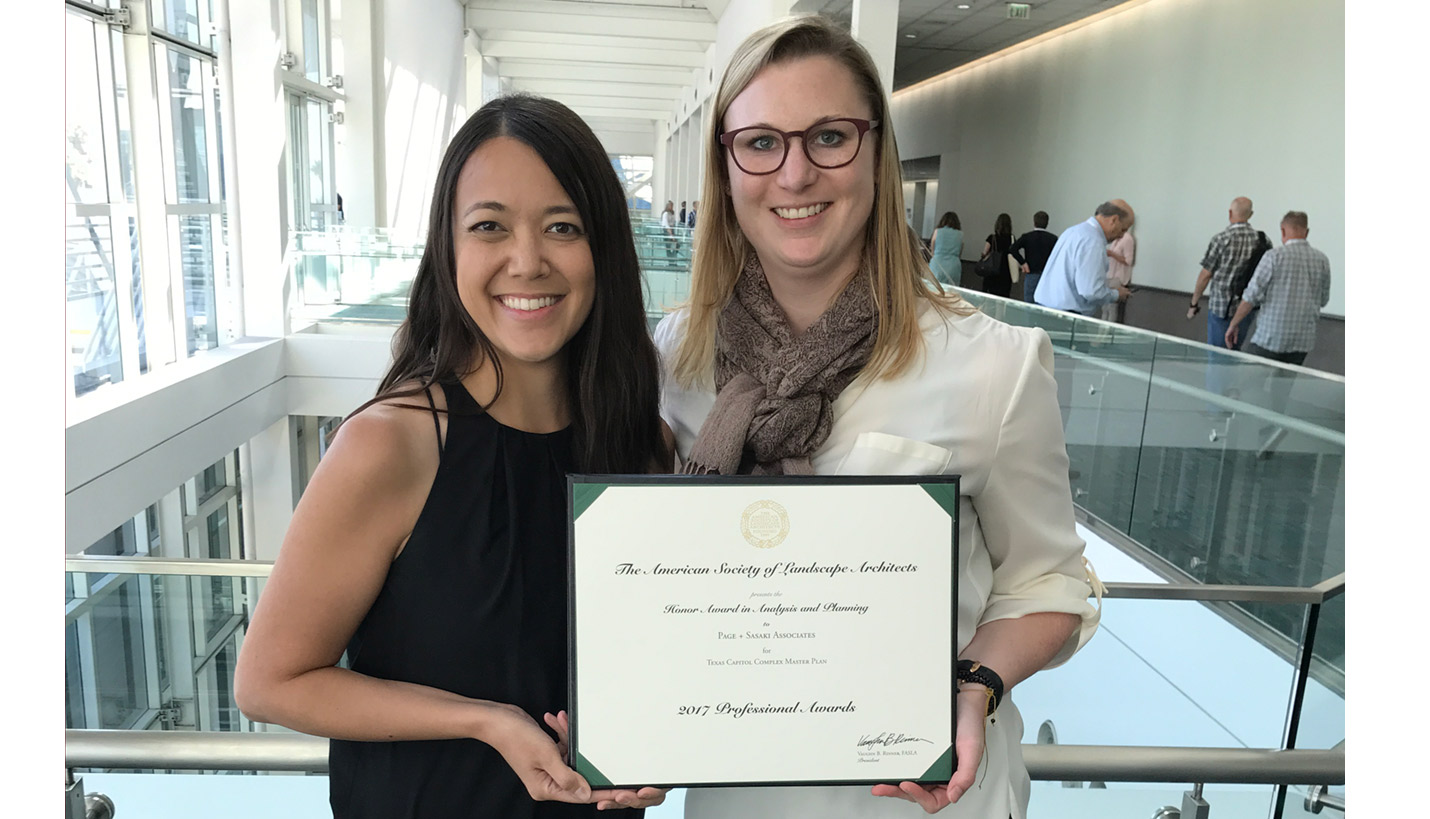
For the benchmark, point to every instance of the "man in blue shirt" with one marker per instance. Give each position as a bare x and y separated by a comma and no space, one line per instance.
1075,278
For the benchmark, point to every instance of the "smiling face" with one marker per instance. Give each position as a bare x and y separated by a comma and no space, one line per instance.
806,223
524,268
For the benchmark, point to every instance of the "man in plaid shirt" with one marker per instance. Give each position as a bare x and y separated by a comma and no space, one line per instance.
1291,285
1227,252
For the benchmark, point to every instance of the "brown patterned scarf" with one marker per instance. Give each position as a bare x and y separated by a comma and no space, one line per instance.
774,392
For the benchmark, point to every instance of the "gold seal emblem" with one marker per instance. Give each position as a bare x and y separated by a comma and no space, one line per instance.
764,524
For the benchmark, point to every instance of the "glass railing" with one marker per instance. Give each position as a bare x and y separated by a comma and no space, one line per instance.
364,274
151,645
1228,468
665,256
153,651
352,274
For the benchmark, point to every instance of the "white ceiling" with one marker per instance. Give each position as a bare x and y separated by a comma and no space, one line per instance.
623,63
626,64
945,36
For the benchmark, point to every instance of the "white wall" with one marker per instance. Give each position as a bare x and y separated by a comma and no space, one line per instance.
1176,106
142,438
422,101
637,139
681,172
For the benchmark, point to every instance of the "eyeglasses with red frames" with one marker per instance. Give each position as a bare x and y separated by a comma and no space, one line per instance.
831,143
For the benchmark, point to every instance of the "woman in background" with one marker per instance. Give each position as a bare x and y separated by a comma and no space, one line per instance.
947,264
999,242
430,544
1121,255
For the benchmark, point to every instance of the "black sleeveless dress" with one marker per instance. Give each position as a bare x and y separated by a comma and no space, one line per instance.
475,604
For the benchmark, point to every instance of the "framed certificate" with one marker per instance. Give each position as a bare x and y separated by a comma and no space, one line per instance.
762,631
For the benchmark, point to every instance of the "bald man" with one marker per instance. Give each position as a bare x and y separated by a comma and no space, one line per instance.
1227,253
1075,277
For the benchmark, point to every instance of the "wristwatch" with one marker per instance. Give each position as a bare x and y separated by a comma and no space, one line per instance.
972,671
1196,307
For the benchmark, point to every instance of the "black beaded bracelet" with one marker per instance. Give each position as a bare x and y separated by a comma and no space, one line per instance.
975,672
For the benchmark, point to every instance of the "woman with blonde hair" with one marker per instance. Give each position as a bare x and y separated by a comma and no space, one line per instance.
816,341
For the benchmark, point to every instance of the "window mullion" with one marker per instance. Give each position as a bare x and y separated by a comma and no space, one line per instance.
174,252
149,194
179,610
87,673
224,304
149,634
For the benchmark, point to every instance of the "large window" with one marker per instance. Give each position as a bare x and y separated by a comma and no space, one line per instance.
635,174
157,651
193,183
111,635
146,261
104,286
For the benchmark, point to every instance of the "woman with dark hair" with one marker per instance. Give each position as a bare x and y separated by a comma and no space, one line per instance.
430,543
999,242
946,264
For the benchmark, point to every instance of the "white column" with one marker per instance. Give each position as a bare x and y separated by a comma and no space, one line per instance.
660,167
476,71
493,85
268,488
677,170
684,173
707,131
260,116
356,171
695,161
875,24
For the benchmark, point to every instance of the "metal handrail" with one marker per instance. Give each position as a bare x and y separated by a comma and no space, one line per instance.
143,564
210,750
1319,593
1180,340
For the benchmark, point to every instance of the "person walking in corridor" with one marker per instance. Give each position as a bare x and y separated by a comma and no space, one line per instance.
947,261
1290,286
1032,250
1075,279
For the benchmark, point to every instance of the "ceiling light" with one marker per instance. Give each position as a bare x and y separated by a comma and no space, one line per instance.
963,5
909,36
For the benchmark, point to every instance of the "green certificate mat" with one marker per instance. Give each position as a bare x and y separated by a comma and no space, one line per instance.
762,631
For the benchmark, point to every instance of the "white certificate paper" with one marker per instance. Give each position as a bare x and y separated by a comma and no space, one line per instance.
740,631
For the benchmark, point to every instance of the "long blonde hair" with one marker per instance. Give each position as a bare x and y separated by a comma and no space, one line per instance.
898,275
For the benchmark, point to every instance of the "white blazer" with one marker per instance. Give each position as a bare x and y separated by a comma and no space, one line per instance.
980,402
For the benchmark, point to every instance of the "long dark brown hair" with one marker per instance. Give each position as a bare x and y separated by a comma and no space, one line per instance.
612,369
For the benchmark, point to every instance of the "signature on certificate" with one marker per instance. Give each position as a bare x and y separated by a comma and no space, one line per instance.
886,739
